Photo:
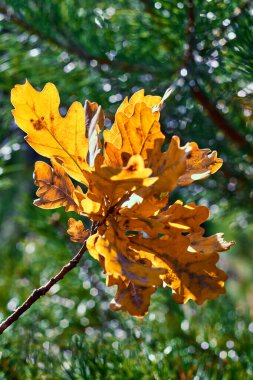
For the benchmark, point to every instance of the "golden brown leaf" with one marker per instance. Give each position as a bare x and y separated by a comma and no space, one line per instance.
169,166
110,184
55,187
77,231
190,215
146,207
190,273
133,298
50,134
127,107
112,246
139,134
148,217
189,258
200,163
210,244
152,226
139,241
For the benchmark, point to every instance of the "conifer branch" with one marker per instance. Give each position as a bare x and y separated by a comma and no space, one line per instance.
199,94
69,46
218,119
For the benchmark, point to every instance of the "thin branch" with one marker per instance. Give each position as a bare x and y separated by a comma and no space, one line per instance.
37,293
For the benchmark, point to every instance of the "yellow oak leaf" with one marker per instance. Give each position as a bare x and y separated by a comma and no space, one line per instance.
55,187
139,133
178,216
77,231
127,107
134,169
152,226
114,183
50,134
146,207
93,205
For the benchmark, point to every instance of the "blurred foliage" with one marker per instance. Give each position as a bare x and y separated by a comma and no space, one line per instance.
105,51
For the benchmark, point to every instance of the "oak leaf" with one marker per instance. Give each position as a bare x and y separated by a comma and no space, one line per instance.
140,240
55,187
200,163
146,207
138,134
127,107
133,298
113,247
169,166
110,184
50,134
77,231
190,274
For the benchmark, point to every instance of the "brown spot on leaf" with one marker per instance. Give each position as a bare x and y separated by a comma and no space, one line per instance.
79,158
38,124
132,168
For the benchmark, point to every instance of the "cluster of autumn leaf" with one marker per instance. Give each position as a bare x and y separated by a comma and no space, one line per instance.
140,241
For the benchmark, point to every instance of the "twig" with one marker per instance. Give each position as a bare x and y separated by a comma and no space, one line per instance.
37,293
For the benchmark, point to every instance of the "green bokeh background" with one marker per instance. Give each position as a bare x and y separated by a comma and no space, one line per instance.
104,51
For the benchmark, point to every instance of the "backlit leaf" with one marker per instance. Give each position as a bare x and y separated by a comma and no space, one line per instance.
140,240
133,298
113,248
127,107
200,163
77,231
55,187
50,134
138,134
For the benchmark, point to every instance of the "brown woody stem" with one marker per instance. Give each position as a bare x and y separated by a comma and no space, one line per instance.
37,293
